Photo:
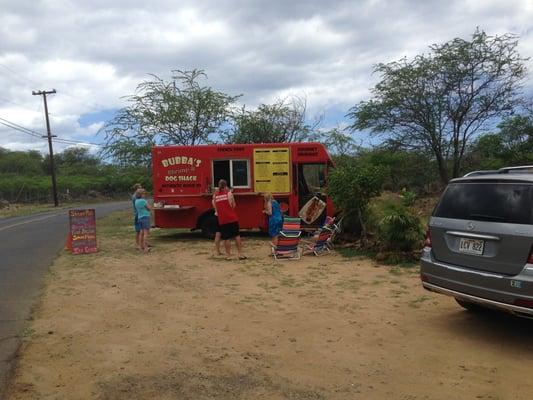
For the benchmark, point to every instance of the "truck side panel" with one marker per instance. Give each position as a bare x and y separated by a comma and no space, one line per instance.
183,181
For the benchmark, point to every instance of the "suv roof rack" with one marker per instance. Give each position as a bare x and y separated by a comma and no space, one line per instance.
482,172
524,169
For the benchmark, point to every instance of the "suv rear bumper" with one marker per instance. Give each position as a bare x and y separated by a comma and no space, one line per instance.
487,289
520,311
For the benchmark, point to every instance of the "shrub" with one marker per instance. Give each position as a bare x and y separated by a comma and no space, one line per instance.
379,207
351,189
408,197
400,229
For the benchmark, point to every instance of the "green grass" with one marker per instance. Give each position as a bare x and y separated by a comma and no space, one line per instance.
266,287
21,210
416,303
289,281
27,332
399,260
349,252
352,285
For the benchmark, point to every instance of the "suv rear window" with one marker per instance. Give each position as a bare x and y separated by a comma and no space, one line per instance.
487,201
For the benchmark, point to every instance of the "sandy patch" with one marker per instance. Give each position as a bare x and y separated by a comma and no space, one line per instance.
181,324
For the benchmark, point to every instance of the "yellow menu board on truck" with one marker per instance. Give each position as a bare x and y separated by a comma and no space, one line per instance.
271,170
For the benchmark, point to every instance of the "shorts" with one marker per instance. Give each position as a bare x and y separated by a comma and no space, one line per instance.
136,224
144,222
229,231
274,227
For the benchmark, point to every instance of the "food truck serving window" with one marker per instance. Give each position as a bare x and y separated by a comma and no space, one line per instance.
314,177
235,172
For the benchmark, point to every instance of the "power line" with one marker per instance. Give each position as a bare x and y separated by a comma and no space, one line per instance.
55,139
40,135
19,76
20,127
67,141
19,104
20,130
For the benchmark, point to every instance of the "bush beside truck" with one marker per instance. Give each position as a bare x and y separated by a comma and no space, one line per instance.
384,224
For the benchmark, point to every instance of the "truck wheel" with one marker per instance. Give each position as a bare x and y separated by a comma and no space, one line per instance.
472,307
209,226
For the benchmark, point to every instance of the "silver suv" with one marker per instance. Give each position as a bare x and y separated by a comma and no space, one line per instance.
479,242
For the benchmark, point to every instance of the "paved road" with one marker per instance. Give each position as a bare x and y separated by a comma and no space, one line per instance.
28,245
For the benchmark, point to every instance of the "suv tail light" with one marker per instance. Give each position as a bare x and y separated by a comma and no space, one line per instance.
530,257
523,303
427,242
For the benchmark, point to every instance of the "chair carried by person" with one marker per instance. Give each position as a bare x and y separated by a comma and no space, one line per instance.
288,240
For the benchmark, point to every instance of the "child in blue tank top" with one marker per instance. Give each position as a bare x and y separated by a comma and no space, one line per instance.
275,220
143,214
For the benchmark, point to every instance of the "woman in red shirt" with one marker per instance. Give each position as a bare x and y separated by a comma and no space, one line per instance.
224,204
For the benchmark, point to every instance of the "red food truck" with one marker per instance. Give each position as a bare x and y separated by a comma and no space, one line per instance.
185,177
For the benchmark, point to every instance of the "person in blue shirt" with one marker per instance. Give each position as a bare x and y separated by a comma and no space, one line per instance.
144,211
136,224
275,220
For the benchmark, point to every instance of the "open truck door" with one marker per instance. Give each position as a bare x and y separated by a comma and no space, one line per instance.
312,197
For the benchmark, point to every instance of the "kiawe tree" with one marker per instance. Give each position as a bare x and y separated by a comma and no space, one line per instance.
280,122
438,102
516,134
510,146
339,143
179,111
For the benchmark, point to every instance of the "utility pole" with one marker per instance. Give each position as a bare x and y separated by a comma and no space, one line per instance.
49,137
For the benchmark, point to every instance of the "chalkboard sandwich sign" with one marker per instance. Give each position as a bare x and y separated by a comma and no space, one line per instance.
82,231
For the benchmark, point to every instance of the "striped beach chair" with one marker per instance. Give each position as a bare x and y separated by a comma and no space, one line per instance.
291,226
320,244
288,240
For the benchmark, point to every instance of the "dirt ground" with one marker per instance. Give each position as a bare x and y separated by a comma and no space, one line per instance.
181,324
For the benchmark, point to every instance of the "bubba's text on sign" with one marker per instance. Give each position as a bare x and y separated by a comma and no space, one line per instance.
83,231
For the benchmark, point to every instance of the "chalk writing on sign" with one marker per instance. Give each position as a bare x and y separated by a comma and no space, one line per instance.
83,231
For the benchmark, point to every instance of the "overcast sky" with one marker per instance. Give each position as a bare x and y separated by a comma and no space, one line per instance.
95,52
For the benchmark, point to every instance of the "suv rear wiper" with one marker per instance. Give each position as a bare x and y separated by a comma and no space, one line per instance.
489,217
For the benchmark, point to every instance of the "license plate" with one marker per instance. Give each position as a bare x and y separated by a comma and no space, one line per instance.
471,246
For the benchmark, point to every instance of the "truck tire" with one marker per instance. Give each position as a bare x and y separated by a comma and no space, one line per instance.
209,226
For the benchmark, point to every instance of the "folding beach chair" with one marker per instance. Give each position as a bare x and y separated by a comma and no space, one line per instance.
291,226
288,240
335,228
319,245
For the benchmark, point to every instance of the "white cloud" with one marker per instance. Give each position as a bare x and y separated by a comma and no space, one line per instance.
94,53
